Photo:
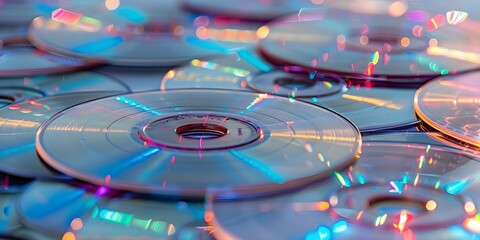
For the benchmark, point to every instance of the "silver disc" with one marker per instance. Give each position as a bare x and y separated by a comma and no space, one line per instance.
397,190
189,142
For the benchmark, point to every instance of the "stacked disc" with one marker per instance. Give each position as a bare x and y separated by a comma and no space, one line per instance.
398,190
182,144
262,119
369,108
371,47
451,105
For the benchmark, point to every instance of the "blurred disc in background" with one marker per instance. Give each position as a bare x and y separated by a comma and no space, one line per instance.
397,190
89,212
400,49
369,107
133,33
259,10
19,58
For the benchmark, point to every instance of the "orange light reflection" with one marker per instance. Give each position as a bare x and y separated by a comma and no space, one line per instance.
373,101
18,123
454,54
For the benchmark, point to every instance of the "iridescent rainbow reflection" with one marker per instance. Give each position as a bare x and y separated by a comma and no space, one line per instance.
214,66
456,17
83,211
128,220
375,45
395,191
450,104
76,19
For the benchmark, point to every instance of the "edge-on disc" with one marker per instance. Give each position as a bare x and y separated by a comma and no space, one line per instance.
369,108
397,190
19,58
186,143
374,47
9,95
13,90
452,105
18,125
89,212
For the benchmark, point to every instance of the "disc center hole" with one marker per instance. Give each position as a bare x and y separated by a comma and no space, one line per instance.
201,131
168,28
7,99
294,83
384,38
391,204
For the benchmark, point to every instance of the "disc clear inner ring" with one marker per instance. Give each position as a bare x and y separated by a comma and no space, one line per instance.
10,95
385,40
421,207
200,131
296,84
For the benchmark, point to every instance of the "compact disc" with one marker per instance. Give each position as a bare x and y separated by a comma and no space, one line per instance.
373,108
397,190
137,33
368,107
9,95
185,143
18,125
260,10
20,13
136,78
452,105
19,58
420,133
377,7
18,89
376,47
410,136
415,9
89,212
